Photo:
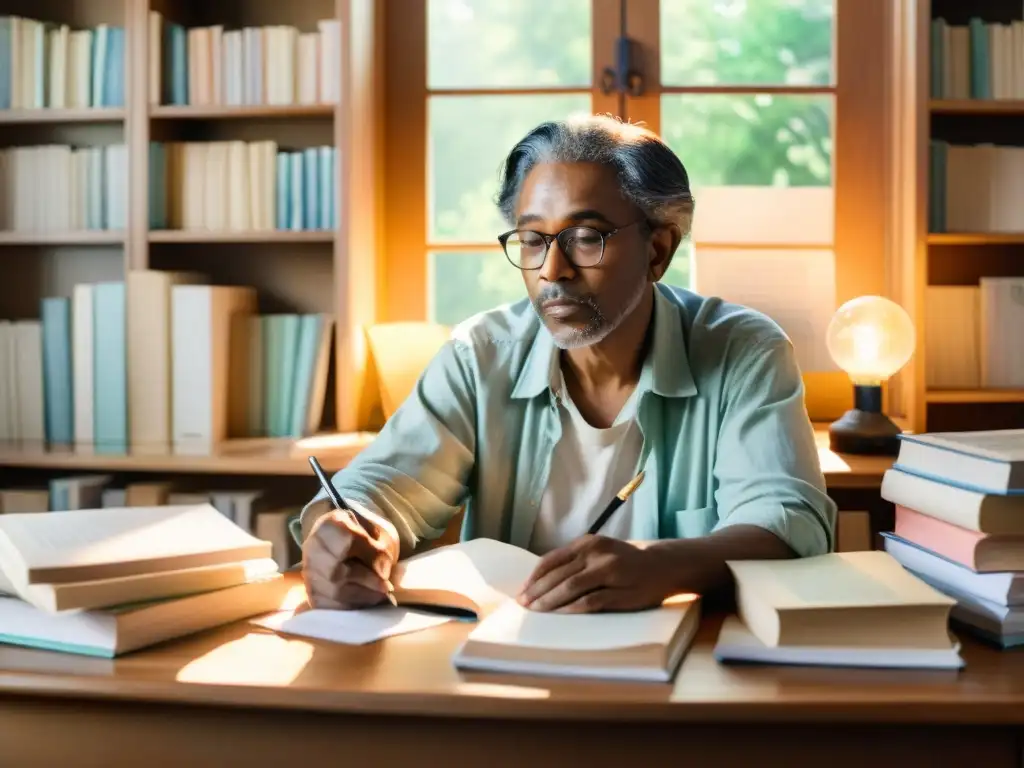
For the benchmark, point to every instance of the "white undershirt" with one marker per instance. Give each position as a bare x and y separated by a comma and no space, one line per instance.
588,467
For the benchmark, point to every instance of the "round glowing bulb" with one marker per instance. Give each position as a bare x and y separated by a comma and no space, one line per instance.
870,338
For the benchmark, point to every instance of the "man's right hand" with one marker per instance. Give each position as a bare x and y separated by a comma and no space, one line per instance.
343,566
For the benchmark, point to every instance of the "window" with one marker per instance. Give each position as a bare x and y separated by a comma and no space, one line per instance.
762,100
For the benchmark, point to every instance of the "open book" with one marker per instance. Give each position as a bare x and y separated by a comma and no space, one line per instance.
482,577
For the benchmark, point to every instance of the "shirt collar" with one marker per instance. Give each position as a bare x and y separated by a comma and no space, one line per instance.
666,370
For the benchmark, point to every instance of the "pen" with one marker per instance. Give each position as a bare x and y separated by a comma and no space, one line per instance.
616,502
341,506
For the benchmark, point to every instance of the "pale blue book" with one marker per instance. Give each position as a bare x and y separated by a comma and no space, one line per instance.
6,62
58,397
289,340
310,331
113,94
297,202
325,157
311,188
284,195
110,369
100,48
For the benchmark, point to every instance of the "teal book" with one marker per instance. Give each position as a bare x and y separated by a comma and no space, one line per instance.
981,77
311,328
157,186
284,195
325,157
289,339
175,64
58,399
41,33
311,188
110,368
6,68
297,189
100,48
113,89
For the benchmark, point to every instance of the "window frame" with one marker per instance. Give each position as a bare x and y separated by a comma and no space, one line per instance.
859,162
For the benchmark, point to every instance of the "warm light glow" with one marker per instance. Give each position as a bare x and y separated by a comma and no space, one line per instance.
870,338
256,659
329,442
502,691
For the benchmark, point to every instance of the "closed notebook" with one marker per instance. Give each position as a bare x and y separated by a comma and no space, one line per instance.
842,600
482,577
985,461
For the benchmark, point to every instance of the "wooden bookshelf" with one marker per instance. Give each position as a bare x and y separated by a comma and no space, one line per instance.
38,116
308,271
975,396
217,112
926,259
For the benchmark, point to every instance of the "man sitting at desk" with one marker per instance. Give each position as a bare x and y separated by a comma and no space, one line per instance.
536,414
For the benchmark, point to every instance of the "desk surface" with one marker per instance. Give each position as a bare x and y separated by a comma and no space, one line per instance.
243,666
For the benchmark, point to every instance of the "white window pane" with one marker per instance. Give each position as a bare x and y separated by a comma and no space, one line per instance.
508,43
463,284
744,42
796,288
469,138
764,215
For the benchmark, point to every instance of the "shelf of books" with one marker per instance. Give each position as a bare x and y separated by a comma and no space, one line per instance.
974,295
187,233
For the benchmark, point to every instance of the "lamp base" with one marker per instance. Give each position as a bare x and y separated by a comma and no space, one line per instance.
864,432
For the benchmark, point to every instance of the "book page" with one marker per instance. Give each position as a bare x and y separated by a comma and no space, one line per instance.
838,580
1002,445
96,537
514,625
356,627
487,571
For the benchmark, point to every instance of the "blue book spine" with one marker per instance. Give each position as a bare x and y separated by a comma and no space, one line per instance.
325,157
157,186
114,93
271,327
284,196
310,329
110,369
39,65
6,62
295,186
981,80
311,189
100,44
290,327
177,51
57,385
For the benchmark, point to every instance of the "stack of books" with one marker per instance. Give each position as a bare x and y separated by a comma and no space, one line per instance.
104,582
959,500
851,609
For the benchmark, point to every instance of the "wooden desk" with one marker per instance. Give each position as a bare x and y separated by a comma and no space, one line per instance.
845,471
244,696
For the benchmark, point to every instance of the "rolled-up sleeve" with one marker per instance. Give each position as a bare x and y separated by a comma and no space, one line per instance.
767,470
415,471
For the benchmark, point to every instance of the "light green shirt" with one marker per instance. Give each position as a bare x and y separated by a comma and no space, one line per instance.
726,436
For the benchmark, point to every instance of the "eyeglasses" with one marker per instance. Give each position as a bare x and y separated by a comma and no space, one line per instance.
582,246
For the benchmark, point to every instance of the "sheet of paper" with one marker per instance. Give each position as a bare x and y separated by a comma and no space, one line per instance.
355,627
795,288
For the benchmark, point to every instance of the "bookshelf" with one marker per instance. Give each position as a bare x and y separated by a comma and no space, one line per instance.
329,270
955,237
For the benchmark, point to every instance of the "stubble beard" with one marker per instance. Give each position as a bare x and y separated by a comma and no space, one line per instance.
599,326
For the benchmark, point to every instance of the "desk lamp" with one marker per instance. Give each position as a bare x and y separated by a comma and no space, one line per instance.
870,338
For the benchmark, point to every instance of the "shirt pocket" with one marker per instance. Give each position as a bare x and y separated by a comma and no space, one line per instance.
693,523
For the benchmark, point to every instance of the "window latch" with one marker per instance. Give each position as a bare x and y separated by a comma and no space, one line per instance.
625,77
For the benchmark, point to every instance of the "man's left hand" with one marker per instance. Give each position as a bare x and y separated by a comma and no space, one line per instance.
596,573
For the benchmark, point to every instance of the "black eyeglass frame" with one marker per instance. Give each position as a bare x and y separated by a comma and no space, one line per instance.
549,238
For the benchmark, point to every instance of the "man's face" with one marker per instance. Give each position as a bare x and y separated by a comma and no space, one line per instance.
581,306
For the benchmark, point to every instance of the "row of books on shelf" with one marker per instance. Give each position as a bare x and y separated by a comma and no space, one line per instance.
975,187
106,581
58,188
51,65
274,65
239,186
959,501
162,360
972,335
979,60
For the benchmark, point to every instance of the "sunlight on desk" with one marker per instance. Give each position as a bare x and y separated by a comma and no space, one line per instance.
255,659
502,691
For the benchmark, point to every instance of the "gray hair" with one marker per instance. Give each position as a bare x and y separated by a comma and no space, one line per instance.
650,174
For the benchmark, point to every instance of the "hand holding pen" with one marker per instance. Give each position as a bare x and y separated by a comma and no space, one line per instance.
347,558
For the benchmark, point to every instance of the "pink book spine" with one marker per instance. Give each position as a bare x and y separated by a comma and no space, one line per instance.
942,538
